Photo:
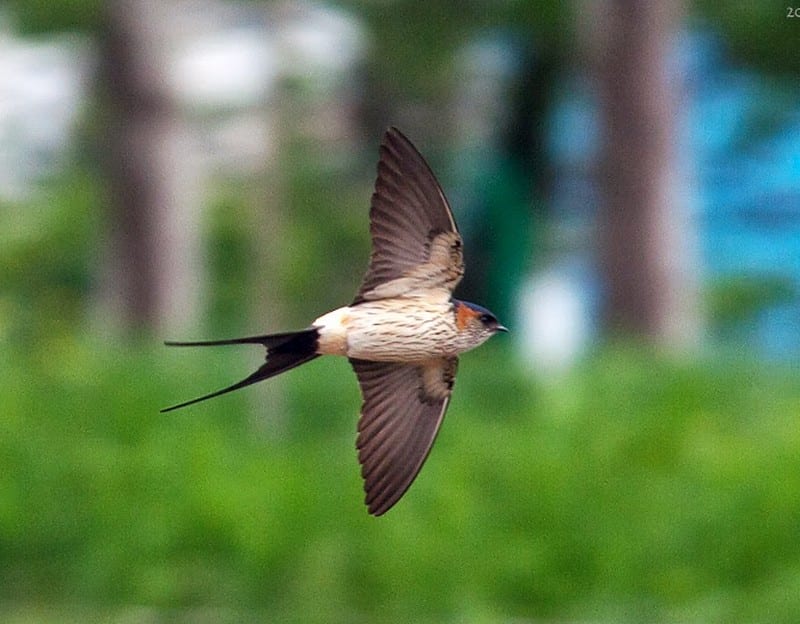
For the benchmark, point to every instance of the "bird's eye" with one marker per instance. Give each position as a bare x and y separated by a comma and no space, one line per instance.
487,319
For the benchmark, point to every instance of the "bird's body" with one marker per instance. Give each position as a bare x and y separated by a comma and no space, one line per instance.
402,329
402,333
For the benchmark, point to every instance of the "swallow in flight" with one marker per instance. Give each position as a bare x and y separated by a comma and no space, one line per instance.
402,333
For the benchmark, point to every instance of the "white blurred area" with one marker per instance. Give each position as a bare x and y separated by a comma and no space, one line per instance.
223,63
554,317
43,85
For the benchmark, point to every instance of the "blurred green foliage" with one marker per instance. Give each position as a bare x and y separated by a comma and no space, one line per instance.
741,298
318,240
634,488
414,41
761,34
44,16
49,248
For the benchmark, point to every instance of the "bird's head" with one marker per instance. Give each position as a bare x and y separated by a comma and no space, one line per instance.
477,322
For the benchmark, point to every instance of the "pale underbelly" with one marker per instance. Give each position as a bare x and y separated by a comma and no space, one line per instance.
386,333
402,339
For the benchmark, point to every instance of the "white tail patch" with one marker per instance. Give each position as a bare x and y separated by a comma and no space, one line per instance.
333,331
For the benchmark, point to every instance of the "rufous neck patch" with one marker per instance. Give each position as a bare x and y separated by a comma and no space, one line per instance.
464,314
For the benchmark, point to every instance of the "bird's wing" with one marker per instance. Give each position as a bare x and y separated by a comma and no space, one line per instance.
415,242
403,408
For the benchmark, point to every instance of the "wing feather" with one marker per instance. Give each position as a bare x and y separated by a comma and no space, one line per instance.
409,216
403,408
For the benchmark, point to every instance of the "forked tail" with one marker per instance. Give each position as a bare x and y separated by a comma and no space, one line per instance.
284,351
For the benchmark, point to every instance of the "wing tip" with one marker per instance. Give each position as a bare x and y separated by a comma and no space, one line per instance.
380,501
396,141
378,510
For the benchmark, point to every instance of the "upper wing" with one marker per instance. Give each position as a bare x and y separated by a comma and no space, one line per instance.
415,241
403,408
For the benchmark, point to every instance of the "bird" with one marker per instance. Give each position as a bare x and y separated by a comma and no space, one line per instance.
403,331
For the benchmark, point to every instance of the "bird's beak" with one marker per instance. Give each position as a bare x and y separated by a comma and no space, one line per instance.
501,328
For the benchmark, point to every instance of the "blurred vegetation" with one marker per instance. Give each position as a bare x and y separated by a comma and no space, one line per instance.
48,255
741,298
635,488
760,33
39,16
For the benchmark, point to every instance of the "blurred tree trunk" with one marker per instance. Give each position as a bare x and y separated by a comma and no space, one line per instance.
645,233
152,270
